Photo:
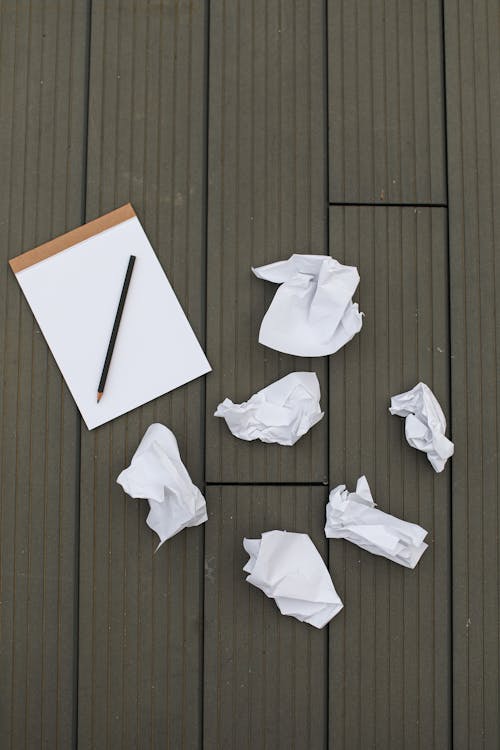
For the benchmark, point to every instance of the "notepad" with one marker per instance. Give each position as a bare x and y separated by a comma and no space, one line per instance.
73,286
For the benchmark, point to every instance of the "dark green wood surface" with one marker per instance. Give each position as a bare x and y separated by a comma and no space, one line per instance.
386,97
394,648
266,200
243,131
43,105
265,676
140,622
473,104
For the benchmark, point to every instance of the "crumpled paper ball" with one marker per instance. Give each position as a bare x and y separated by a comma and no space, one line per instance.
425,424
312,313
157,474
280,413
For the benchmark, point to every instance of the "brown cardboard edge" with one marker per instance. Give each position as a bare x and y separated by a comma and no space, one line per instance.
42,252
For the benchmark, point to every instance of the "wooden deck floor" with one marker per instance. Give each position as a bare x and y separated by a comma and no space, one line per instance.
242,131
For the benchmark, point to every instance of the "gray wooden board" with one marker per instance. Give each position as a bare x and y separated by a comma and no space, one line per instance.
42,131
266,200
384,678
390,662
386,101
473,105
265,675
140,627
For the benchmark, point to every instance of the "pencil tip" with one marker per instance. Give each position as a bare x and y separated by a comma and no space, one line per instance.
99,396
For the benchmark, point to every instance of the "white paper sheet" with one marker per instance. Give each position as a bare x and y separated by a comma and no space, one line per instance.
280,413
157,474
288,568
425,424
74,296
353,516
312,313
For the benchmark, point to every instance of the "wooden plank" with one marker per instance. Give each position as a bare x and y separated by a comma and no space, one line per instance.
390,665
265,675
140,627
473,106
386,101
267,198
42,130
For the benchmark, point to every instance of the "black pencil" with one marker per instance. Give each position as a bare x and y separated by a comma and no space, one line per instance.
116,326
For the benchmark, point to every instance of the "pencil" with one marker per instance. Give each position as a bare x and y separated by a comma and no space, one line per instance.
116,325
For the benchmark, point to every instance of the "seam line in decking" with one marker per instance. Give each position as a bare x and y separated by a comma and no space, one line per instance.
326,129
203,420
450,393
393,205
266,484
84,156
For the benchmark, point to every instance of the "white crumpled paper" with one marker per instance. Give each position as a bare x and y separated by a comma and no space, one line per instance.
425,424
157,474
353,516
288,568
312,313
280,413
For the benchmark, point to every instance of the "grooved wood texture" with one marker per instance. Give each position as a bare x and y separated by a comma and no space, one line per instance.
140,627
104,644
473,104
42,121
266,200
389,673
265,674
386,101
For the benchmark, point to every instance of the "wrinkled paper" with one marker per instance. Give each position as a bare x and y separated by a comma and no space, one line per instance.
157,474
312,313
425,424
353,516
288,568
280,413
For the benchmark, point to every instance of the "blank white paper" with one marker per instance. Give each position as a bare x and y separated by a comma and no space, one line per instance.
74,296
